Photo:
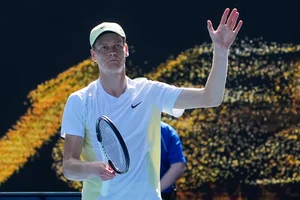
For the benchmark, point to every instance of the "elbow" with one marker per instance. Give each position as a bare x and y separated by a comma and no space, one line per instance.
215,103
182,168
65,171
212,100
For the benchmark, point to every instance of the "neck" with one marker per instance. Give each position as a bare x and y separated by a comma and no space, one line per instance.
114,84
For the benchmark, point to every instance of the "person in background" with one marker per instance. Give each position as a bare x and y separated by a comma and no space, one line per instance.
173,161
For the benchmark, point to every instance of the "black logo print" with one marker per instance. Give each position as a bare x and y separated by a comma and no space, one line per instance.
133,106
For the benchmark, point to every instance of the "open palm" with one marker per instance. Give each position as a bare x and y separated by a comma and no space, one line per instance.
227,30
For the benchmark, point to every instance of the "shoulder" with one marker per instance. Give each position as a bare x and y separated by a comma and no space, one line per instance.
142,83
137,82
167,130
81,95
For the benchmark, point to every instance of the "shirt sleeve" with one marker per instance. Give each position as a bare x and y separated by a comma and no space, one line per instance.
165,97
73,120
175,150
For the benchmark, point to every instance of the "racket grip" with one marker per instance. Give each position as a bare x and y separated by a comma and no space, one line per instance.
104,188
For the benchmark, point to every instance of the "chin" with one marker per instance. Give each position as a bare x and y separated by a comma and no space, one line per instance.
114,69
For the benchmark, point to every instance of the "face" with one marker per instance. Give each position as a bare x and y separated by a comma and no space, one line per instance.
110,52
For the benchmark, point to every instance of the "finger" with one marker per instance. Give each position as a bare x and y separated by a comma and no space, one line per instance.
210,26
107,175
238,27
106,172
234,20
224,16
229,20
108,168
110,174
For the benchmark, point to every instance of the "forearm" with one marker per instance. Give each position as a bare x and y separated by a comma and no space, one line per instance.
171,176
215,85
78,170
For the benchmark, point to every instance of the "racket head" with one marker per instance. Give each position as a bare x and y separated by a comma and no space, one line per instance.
102,123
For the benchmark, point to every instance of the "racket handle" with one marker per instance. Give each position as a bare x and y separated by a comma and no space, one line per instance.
104,188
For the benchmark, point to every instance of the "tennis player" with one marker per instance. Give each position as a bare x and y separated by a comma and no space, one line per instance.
135,107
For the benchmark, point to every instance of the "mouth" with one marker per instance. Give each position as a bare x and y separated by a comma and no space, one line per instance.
115,60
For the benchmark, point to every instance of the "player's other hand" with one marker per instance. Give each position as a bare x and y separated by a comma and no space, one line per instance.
104,171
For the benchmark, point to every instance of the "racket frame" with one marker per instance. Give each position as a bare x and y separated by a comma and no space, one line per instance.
120,138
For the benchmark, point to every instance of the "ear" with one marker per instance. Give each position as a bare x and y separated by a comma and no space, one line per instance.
93,55
126,50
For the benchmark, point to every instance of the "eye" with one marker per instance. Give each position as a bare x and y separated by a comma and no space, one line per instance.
103,48
119,46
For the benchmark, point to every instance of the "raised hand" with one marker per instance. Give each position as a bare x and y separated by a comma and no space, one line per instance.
227,30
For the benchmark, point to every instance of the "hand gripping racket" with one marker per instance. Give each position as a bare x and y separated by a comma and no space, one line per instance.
113,149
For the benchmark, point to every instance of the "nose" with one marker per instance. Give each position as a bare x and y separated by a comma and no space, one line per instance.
112,53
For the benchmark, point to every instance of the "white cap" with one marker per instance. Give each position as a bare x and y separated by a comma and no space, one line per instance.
105,27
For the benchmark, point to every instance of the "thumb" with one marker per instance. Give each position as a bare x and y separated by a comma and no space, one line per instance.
210,26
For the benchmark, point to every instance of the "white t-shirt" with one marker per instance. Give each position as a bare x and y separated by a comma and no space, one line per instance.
137,115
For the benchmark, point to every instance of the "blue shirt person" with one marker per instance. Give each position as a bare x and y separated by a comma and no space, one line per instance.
173,161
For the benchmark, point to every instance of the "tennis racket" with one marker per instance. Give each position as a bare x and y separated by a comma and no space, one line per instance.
113,148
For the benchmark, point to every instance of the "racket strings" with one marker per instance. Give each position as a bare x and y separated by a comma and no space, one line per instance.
112,146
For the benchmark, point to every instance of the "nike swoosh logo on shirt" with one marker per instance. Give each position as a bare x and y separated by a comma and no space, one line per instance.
133,106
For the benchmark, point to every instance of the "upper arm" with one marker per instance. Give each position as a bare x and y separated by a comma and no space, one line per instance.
181,166
73,120
193,98
73,147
